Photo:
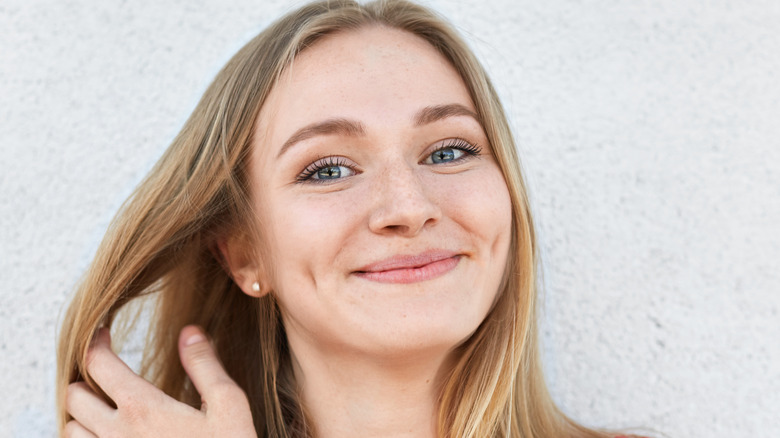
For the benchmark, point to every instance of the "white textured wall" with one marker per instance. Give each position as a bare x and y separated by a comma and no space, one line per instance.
649,131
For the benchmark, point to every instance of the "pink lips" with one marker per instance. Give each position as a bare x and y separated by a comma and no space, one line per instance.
410,268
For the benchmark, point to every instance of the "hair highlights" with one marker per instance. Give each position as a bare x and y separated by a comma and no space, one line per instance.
163,241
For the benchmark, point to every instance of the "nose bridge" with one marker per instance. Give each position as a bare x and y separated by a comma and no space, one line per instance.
400,177
402,200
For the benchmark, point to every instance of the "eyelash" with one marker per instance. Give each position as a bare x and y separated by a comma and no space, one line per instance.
459,143
471,150
322,163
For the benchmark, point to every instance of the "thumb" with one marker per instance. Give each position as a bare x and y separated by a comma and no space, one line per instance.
200,362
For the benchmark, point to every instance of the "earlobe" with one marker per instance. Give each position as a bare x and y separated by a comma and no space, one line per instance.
242,267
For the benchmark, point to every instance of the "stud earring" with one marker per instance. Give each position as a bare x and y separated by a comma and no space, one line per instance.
256,286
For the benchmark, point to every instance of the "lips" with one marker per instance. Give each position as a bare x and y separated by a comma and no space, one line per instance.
410,268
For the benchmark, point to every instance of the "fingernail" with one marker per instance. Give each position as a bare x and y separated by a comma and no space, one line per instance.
194,339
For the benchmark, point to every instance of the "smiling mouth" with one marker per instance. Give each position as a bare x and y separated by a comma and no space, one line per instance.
410,269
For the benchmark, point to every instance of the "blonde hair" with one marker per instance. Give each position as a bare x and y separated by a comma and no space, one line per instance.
162,242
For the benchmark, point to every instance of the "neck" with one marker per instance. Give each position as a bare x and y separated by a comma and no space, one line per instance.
354,396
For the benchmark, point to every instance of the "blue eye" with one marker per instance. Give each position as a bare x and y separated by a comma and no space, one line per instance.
446,154
330,172
324,170
451,151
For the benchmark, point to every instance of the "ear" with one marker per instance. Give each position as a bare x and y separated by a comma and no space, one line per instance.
239,261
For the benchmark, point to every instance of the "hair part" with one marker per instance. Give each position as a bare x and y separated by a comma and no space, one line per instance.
162,243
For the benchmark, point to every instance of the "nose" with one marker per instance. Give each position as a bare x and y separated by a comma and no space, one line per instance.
402,203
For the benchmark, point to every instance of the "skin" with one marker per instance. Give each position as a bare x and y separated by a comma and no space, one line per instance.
145,411
370,342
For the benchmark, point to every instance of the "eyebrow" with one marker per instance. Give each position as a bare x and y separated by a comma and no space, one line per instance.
331,126
434,113
352,128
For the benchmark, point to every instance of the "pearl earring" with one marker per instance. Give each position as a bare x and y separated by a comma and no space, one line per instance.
256,287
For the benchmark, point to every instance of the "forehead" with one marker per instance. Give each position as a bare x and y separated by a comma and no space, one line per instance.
374,74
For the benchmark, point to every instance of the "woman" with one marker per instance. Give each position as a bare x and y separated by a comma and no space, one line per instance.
344,217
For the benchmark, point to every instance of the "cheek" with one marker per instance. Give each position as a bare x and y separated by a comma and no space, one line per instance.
481,203
482,208
498,211
310,231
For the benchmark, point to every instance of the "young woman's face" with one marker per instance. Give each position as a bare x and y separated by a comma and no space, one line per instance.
387,218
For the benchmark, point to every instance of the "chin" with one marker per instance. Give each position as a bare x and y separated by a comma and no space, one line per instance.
422,335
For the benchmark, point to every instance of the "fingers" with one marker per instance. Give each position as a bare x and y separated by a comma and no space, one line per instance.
107,369
75,430
143,410
206,372
87,408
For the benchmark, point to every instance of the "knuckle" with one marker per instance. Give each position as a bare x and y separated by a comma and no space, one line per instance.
200,353
132,408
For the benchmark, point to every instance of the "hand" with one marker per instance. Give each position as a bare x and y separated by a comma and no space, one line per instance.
145,411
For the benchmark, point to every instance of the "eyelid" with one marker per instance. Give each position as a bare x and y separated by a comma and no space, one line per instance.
471,150
306,176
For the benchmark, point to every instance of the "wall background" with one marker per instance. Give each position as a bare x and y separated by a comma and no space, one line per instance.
650,135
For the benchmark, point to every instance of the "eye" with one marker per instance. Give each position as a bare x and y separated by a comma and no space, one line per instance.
452,150
446,154
324,170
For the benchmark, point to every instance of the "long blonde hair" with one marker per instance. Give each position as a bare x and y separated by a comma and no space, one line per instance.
162,243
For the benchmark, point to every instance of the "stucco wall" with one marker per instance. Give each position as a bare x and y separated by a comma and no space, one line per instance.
649,132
